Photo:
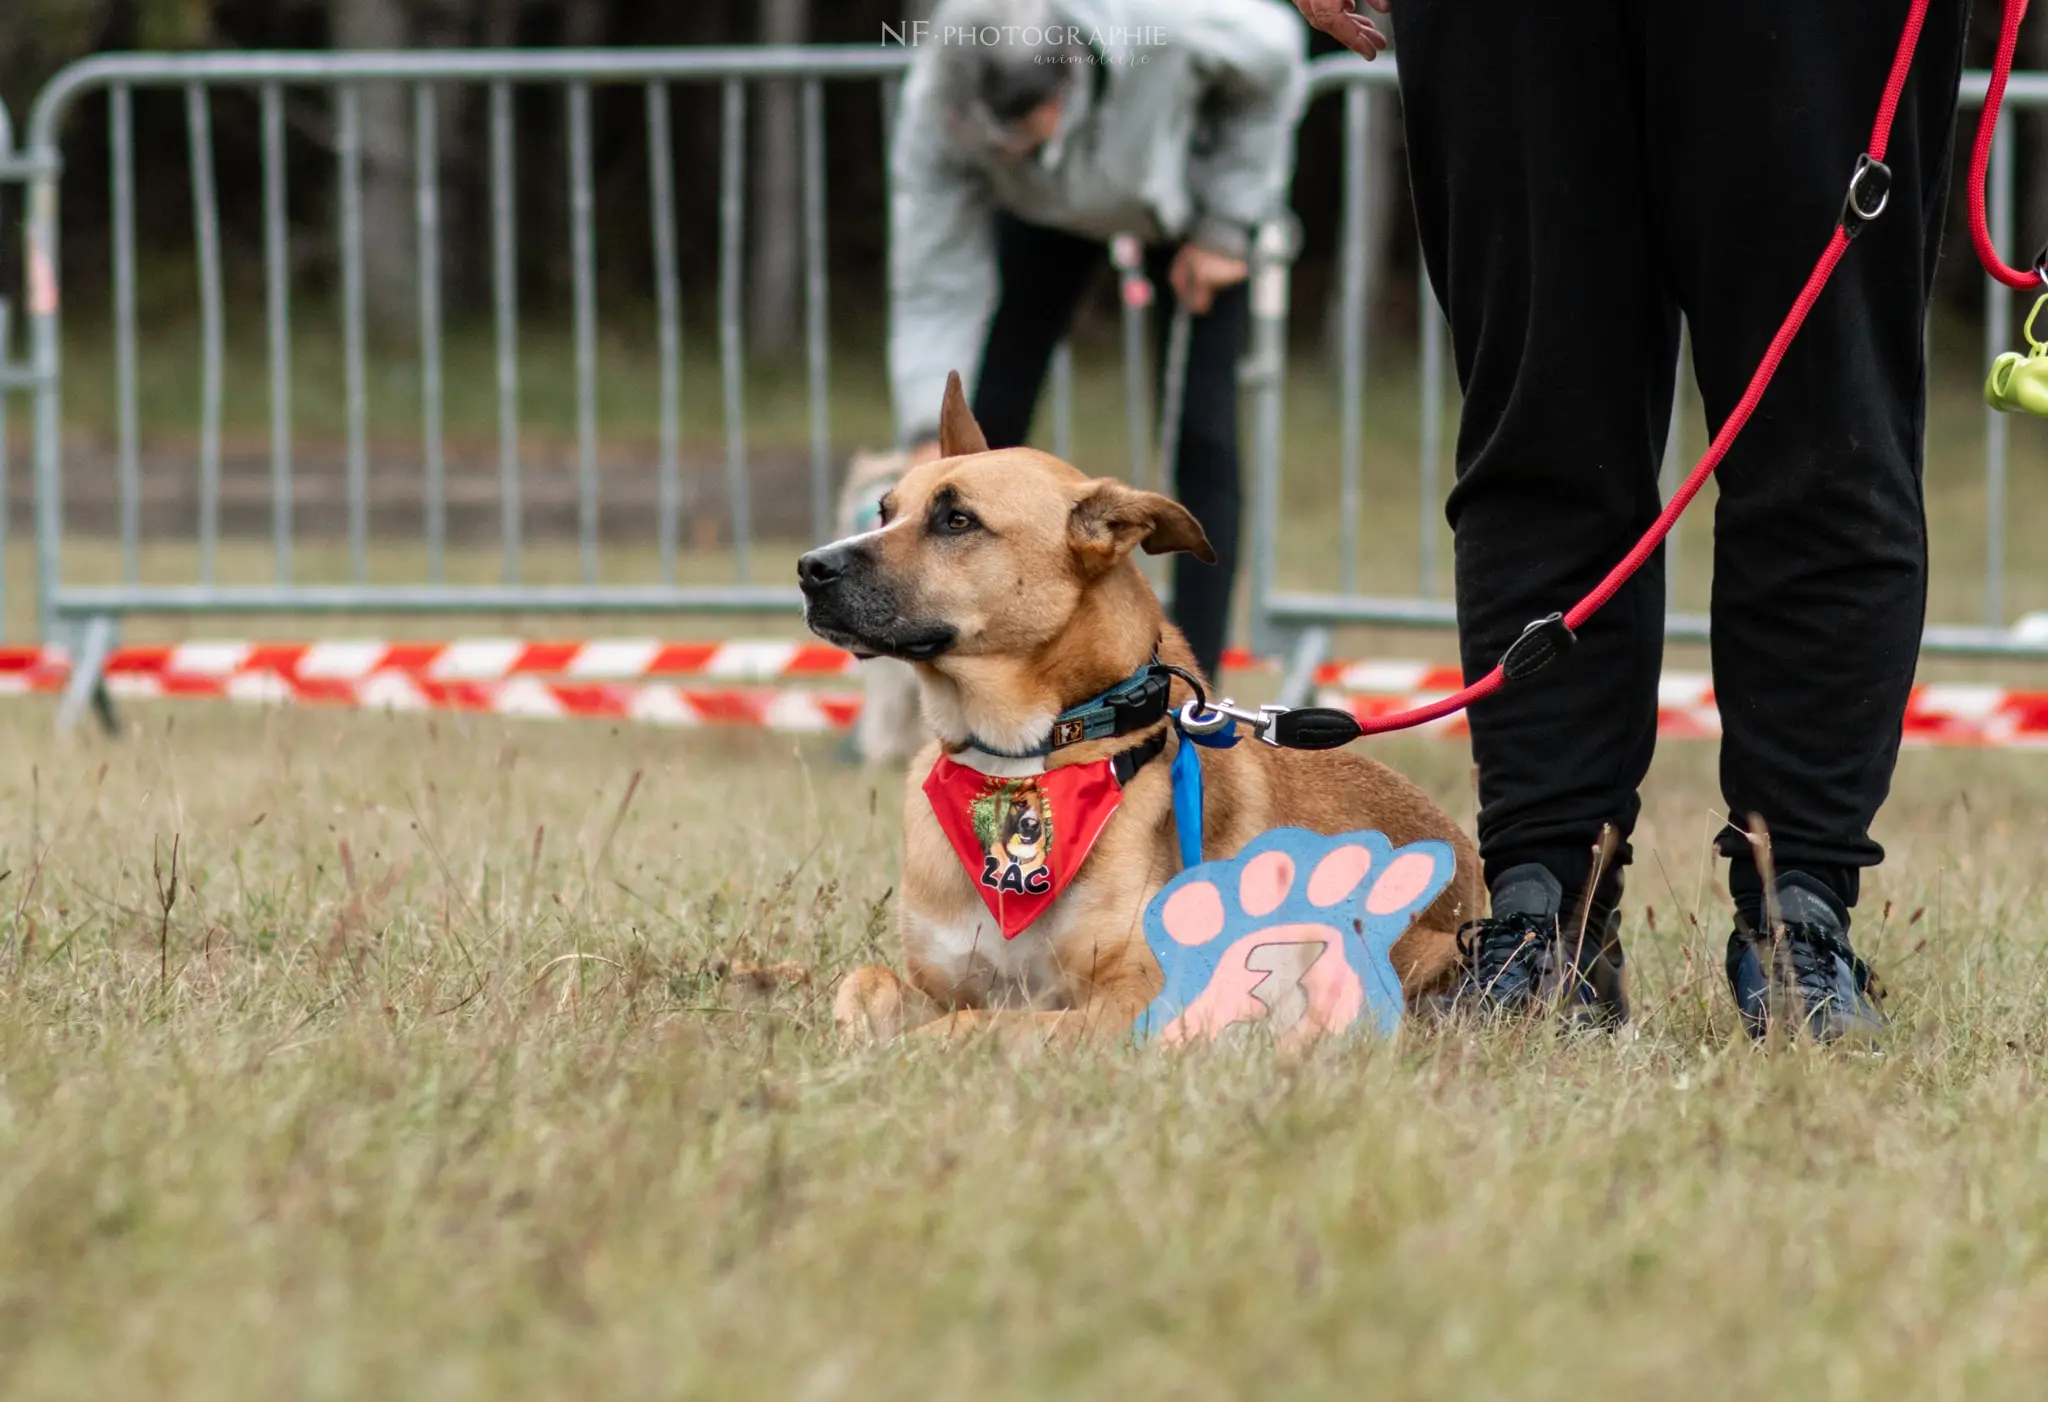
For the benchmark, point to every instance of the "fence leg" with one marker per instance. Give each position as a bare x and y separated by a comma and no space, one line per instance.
1172,405
1264,372
6,360
88,680
1127,254
1306,651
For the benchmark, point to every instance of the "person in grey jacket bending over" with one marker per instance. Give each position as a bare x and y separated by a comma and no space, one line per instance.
1032,132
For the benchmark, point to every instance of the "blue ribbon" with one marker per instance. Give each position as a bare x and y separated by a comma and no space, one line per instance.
1187,789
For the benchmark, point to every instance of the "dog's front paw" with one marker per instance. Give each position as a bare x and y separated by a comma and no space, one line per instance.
873,1005
1293,932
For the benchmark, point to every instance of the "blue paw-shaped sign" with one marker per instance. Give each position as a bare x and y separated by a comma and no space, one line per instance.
1293,932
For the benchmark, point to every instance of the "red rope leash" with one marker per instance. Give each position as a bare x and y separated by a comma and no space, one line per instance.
1856,212
1980,155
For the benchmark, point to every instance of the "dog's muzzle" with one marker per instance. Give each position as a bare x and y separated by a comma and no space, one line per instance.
825,567
847,601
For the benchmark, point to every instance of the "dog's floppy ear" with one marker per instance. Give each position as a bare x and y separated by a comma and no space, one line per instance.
959,434
1110,519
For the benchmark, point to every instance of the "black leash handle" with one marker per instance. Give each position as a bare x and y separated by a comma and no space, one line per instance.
1315,728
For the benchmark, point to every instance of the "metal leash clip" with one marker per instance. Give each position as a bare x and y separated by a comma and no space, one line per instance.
1198,719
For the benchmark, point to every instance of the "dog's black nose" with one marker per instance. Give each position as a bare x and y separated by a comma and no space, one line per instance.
820,568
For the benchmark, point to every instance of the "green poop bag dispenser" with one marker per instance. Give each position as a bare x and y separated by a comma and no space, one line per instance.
2021,381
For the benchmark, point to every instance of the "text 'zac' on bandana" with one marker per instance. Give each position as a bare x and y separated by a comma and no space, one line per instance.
1022,838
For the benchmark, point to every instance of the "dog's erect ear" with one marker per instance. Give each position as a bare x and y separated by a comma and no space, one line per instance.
959,434
1110,519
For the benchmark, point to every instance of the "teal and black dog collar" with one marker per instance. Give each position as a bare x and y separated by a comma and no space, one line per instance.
1138,702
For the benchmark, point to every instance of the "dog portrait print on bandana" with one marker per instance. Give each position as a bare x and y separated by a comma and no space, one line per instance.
1022,838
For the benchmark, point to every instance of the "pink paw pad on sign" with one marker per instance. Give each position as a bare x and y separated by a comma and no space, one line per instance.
1292,932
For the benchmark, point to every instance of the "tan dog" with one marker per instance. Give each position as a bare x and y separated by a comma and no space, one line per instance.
889,731
1006,580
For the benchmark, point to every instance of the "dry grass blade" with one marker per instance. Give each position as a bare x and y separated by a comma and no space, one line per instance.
1784,1019
611,833
1603,855
167,900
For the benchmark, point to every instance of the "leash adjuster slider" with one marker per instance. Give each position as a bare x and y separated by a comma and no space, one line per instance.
1870,190
1541,644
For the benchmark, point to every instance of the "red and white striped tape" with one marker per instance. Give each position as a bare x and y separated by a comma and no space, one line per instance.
464,660
479,659
607,679
1940,713
652,703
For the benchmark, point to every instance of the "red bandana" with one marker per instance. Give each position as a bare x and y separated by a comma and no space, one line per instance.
1022,839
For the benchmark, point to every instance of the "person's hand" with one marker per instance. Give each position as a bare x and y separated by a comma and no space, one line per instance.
1341,21
1199,274
927,451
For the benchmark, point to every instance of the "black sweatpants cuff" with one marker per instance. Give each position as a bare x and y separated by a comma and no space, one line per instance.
1572,866
1746,886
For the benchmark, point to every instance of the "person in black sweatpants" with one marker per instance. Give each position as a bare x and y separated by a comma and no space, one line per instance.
1581,179
1043,273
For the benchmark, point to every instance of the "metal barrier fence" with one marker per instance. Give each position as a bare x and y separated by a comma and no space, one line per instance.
86,616
1297,624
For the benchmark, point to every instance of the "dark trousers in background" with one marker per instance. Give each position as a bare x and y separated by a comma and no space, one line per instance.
1580,185
1043,274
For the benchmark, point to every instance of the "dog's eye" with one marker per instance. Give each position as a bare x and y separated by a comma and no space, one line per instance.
957,523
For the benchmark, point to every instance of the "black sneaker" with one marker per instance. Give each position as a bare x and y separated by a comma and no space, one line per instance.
1811,972
1516,960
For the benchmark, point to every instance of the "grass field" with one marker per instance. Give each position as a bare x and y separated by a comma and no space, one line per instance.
435,1080
439,1071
